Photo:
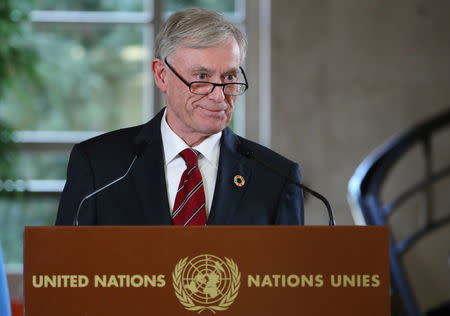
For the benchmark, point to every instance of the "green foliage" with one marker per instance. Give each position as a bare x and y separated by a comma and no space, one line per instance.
6,147
16,58
87,79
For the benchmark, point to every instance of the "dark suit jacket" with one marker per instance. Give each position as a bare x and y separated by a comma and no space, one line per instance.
141,197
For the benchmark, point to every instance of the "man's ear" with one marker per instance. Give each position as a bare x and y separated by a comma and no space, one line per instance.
159,73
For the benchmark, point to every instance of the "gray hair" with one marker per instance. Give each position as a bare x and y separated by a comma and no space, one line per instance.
196,28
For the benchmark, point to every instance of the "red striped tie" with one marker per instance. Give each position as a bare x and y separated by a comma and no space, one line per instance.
189,208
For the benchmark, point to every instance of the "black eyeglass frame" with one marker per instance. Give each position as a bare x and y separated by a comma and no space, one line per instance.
223,85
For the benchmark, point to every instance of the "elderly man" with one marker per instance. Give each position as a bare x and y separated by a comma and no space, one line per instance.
185,166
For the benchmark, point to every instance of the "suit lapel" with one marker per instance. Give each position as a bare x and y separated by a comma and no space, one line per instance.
150,181
227,195
149,176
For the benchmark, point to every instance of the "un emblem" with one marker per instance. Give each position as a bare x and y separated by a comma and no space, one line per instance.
206,282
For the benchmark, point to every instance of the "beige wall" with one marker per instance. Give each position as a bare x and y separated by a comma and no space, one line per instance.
347,75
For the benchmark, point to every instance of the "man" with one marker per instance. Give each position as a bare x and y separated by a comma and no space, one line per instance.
191,169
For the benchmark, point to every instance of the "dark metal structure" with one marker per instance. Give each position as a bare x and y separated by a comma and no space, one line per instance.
364,190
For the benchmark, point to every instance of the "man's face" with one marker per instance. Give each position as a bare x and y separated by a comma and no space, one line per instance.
191,116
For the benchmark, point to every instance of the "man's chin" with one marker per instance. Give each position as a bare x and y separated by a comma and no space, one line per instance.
212,123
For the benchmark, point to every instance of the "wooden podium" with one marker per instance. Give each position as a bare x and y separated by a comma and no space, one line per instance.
223,270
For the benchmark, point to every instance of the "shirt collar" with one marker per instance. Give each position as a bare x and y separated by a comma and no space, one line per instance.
173,144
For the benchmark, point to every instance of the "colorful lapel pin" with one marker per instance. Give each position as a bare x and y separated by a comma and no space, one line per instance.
239,180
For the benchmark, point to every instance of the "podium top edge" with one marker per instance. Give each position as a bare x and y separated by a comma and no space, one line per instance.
212,227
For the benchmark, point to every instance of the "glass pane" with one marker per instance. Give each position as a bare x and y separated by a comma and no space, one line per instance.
216,5
236,123
15,213
90,77
40,165
90,5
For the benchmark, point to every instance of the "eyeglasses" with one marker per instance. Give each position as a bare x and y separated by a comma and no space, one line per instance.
204,87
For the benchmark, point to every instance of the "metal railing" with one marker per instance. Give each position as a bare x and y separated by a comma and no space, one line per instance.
364,190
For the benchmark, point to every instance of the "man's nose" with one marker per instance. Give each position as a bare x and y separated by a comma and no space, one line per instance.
217,94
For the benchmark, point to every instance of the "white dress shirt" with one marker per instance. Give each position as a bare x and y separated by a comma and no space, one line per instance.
174,165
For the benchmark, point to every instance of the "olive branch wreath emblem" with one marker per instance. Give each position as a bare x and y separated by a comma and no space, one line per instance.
226,301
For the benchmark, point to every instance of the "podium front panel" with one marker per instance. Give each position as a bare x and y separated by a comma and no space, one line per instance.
244,270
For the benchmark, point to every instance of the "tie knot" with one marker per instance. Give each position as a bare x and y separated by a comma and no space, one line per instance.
190,156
